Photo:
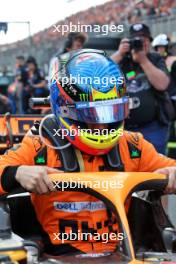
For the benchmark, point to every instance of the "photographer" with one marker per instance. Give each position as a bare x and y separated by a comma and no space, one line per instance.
147,79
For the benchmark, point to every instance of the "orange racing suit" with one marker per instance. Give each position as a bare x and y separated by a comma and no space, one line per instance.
73,211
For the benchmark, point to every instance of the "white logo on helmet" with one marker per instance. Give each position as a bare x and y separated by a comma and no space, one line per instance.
137,27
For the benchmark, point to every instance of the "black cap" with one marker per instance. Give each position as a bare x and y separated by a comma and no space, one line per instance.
140,29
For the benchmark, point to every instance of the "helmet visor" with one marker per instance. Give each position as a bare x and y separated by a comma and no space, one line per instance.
108,111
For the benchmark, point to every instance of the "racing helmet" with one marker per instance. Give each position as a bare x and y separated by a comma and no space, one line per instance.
87,87
160,40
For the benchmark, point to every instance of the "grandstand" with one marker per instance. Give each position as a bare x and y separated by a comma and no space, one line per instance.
157,14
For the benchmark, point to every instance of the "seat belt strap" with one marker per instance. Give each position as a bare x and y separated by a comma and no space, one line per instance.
67,155
113,160
80,159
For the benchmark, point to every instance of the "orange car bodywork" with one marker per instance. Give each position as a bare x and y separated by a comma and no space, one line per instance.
117,196
19,125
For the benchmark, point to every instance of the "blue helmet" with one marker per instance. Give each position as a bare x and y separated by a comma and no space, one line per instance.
87,87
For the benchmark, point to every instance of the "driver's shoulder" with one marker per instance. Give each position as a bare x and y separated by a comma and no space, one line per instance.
132,137
33,139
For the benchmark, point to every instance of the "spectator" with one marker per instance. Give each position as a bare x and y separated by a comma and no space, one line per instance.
21,77
5,81
5,100
146,76
36,78
74,41
21,71
173,8
164,10
161,45
36,83
151,10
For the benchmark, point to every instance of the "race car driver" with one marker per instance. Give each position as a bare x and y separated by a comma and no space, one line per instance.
92,104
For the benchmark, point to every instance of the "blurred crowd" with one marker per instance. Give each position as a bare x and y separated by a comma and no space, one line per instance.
29,81
16,89
114,12
149,9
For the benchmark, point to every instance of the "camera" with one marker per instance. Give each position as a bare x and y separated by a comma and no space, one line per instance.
136,44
